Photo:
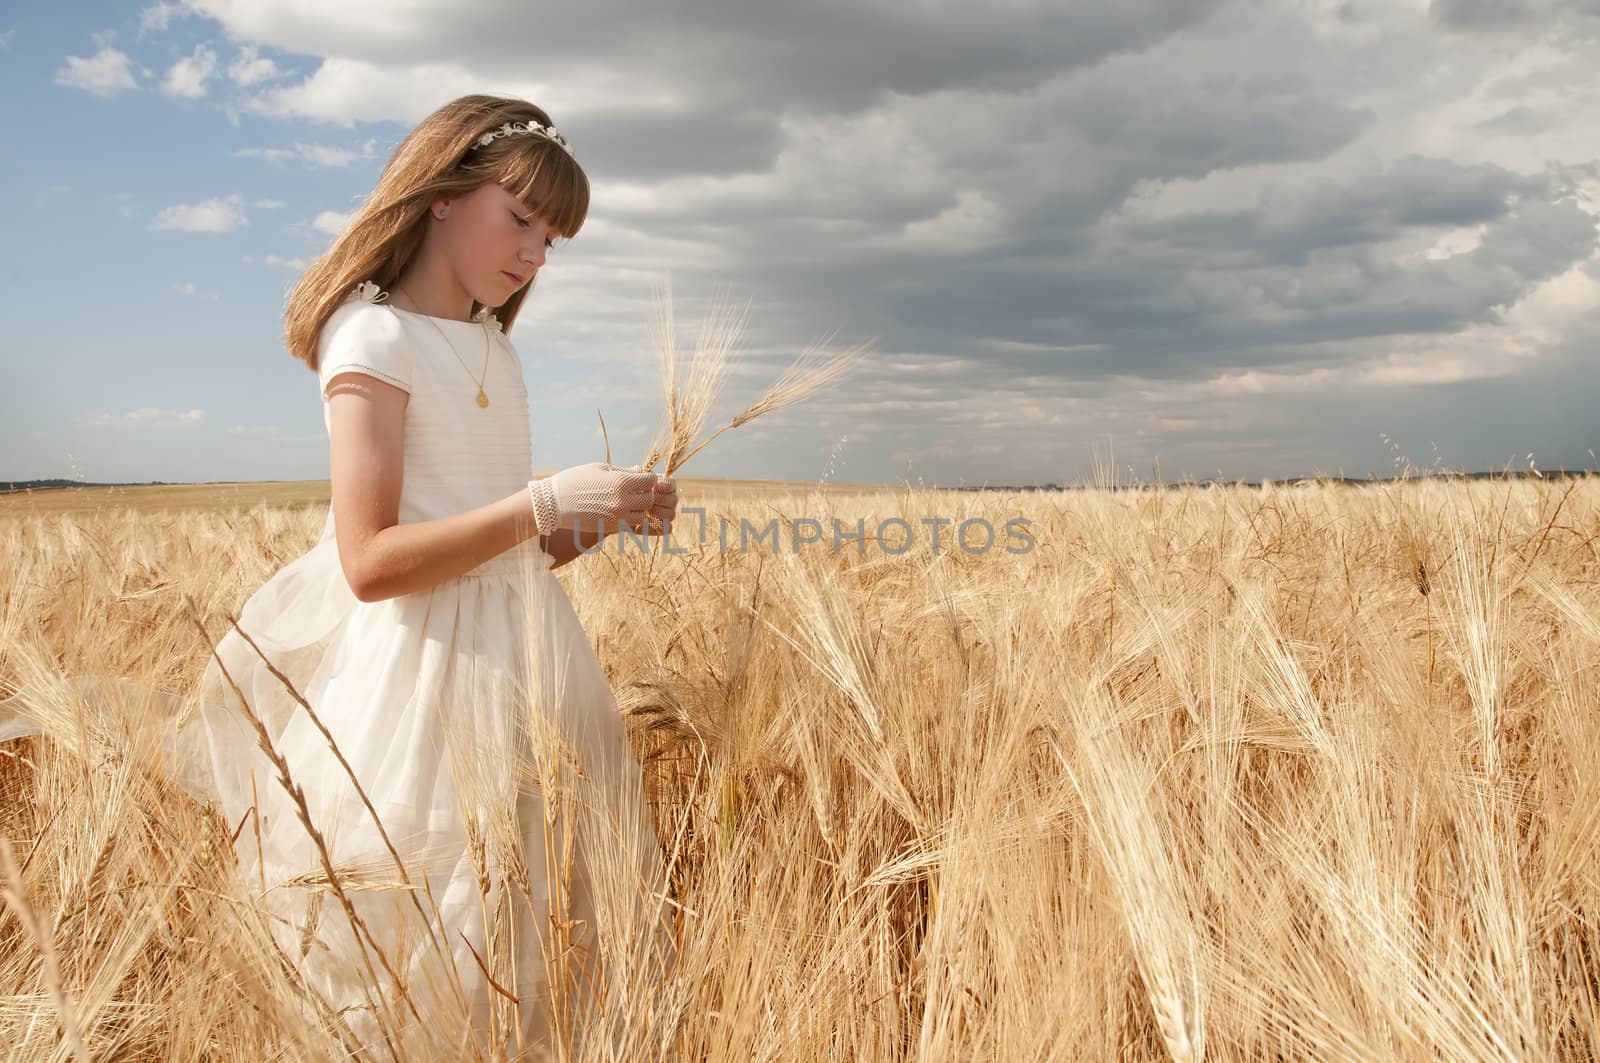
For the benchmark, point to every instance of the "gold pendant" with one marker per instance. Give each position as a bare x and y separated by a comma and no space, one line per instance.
483,400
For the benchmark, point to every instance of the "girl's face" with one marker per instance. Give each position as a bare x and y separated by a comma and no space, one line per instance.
494,243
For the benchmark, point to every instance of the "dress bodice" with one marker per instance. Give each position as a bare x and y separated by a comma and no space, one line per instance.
458,455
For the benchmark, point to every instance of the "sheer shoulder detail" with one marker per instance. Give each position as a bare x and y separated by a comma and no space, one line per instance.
485,317
369,292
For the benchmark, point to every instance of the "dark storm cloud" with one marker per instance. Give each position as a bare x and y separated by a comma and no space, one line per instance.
1292,222
755,58
1504,14
1268,284
1474,425
646,147
738,69
845,55
1066,294
1054,165
1063,203
1154,310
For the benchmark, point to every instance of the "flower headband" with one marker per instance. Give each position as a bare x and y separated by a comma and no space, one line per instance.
516,128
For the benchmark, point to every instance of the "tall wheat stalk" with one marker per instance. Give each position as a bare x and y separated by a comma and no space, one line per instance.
15,896
688,405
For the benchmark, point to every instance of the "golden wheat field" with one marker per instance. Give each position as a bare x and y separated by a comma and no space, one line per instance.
1275,773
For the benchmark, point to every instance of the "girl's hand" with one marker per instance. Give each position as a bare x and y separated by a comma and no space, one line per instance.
592,497
665,505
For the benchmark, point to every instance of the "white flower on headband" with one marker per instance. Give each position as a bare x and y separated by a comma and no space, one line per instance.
530,126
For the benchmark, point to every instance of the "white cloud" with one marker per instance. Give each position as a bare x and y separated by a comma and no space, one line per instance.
325,156
7,37
249,68
346,91
288,263
276,156
218,215
144,417
331,222
188,76
188,289
158,16
105,73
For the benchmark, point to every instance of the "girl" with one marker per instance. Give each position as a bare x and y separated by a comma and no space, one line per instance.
461,764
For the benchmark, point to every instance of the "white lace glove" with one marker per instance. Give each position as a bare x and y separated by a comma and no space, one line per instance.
585,495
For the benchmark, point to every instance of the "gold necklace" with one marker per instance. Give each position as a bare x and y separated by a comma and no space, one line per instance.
483,399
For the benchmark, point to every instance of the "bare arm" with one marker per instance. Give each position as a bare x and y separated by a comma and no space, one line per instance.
381,557
564,544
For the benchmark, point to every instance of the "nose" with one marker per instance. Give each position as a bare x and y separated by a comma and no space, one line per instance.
533,252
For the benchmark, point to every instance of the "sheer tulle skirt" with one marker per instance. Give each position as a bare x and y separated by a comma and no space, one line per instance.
462,768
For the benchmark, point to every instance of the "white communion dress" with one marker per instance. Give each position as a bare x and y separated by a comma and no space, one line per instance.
474,722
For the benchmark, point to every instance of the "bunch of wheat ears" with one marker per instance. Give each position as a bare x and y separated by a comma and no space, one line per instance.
688,406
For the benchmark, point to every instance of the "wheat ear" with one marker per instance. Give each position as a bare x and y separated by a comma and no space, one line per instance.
16,899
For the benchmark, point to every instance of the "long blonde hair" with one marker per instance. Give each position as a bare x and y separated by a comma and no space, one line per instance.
437,160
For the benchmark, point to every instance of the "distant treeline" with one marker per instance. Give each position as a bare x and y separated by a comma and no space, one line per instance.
1509,474
1293,481
41,485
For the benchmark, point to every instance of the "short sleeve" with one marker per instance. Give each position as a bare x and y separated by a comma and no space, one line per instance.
362,337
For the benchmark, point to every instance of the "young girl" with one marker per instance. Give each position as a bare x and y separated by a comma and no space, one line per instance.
474,790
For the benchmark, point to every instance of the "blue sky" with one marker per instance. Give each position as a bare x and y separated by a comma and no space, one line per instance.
1240,239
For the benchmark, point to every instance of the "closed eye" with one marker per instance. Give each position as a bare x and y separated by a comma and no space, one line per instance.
549,242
